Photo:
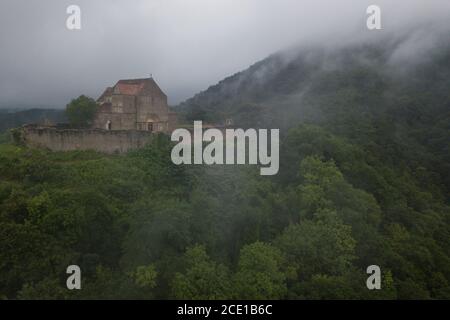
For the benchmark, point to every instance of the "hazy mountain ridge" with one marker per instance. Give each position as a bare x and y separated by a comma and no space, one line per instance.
378,95
280,82
11,119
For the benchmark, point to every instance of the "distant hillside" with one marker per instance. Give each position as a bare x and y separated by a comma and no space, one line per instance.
382,96
319,85
10,119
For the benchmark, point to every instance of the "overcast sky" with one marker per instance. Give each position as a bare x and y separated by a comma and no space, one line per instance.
187,45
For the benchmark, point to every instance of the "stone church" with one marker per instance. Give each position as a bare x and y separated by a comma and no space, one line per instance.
135,104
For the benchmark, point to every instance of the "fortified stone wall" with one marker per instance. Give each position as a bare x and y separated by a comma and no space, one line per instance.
108,141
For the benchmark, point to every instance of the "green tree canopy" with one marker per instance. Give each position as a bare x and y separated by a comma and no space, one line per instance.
81,111
203,278
260,274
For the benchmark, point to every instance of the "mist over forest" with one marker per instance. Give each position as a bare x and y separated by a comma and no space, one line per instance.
364,180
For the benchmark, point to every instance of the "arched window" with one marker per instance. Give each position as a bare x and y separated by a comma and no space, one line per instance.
108,125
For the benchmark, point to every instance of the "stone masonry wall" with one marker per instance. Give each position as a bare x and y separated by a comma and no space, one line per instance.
108,141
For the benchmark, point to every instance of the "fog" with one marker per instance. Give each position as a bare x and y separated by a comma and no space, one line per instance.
187,45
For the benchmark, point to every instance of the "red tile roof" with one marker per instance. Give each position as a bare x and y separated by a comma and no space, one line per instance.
129,89
134,87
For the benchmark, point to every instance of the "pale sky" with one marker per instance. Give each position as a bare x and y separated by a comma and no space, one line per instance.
187,45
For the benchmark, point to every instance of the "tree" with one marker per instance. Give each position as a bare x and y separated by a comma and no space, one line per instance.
260,274
81,111
203,279
145,276
324,246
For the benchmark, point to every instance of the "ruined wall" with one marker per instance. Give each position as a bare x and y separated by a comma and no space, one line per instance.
57,139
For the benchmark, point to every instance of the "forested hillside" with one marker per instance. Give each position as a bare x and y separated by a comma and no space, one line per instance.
383,97
13,119
364,180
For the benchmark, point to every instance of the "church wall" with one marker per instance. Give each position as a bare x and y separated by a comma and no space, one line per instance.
123,104
147,105
147,110
119,121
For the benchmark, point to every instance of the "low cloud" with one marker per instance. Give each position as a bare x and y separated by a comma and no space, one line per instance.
186,44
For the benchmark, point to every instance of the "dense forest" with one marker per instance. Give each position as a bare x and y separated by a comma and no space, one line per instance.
364,180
